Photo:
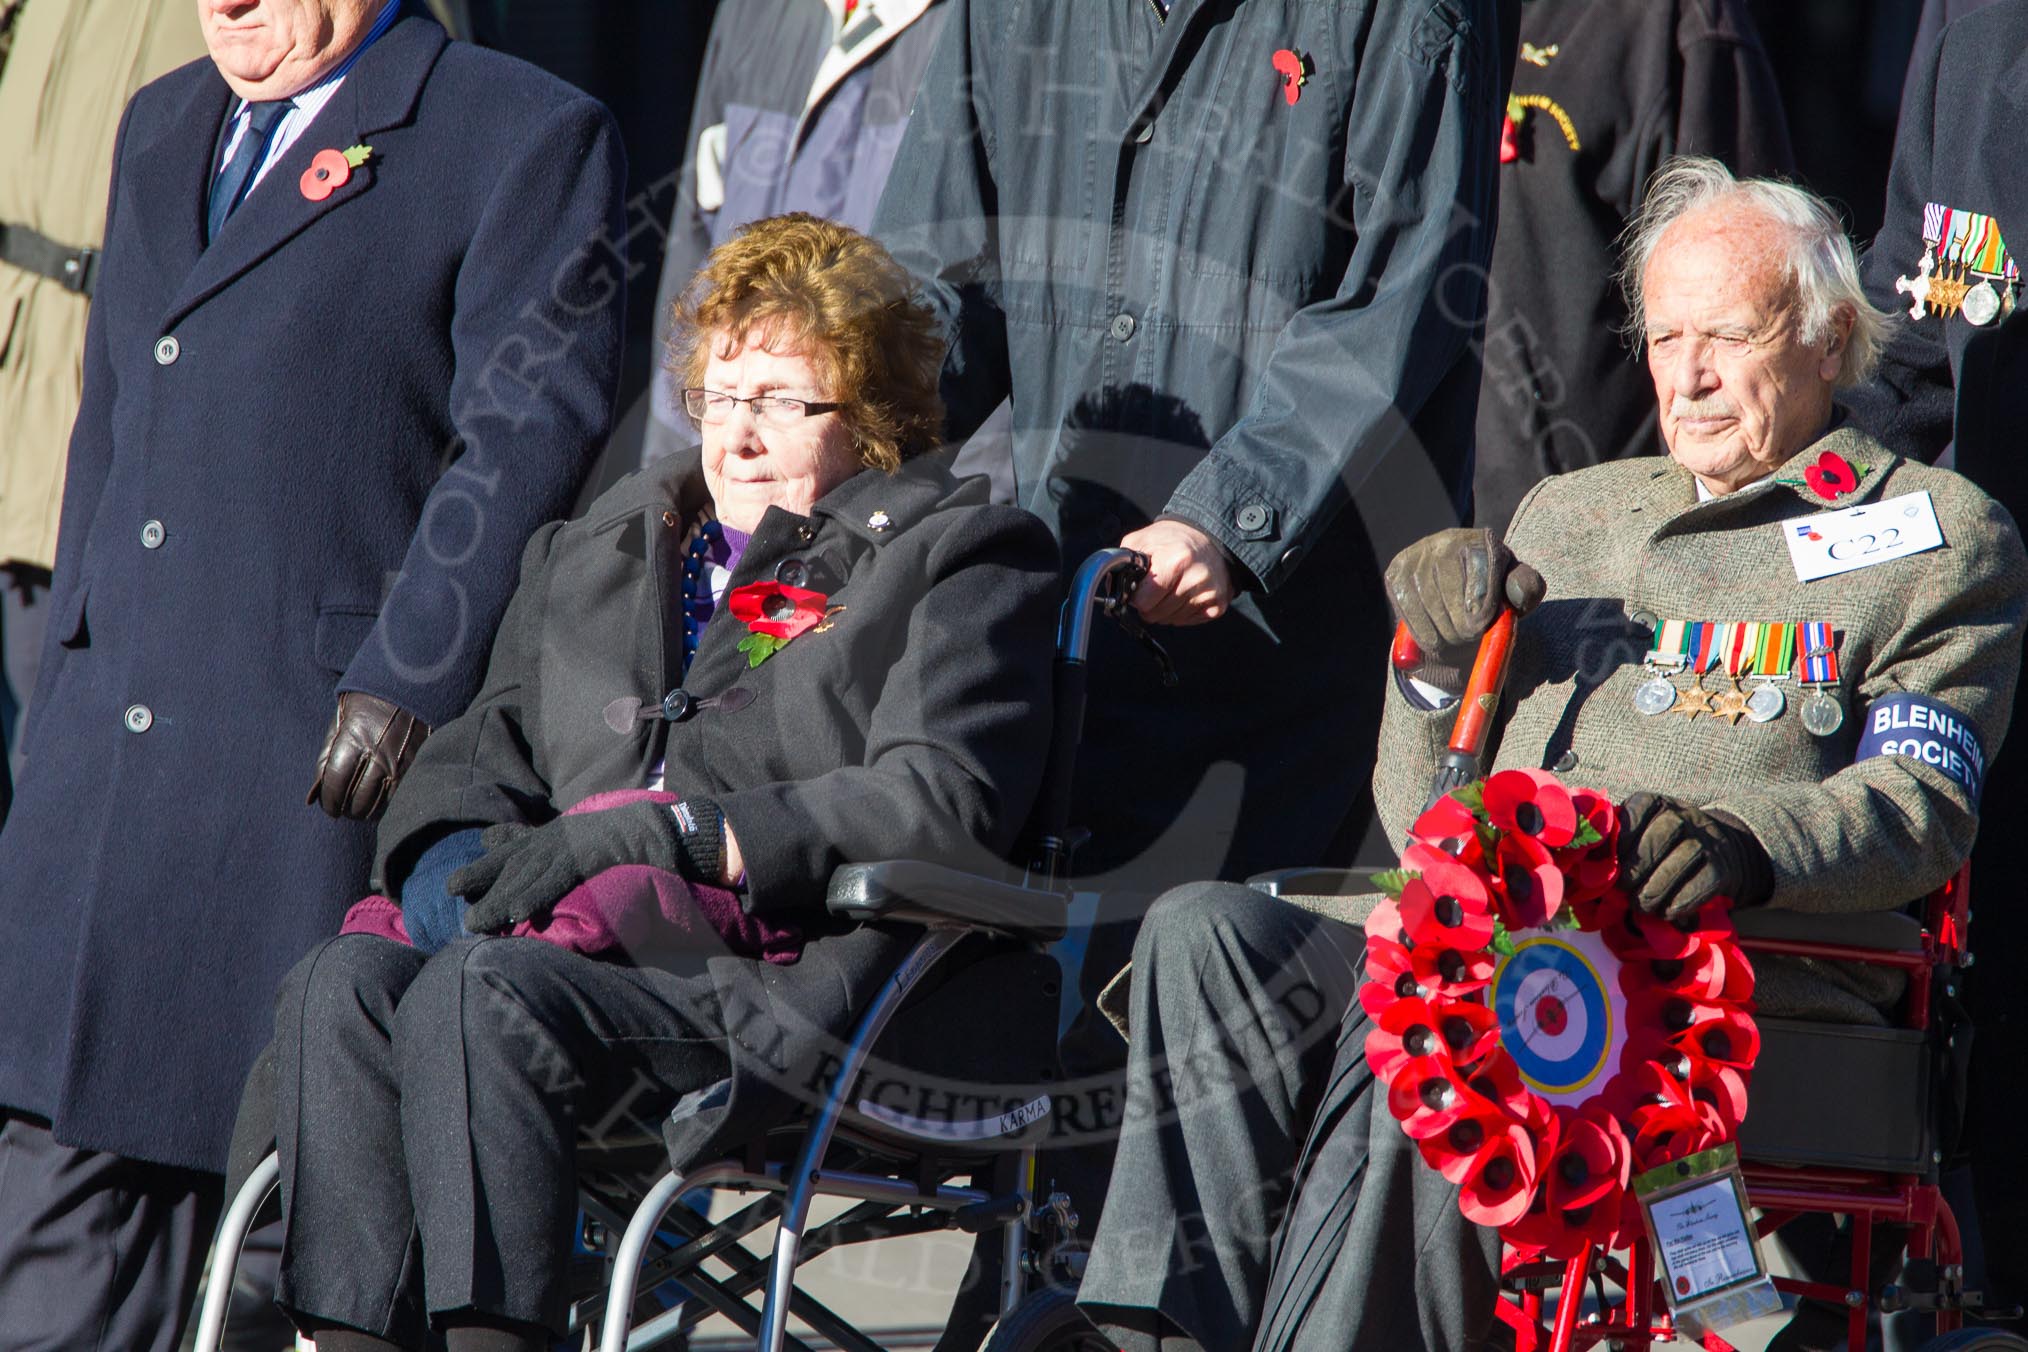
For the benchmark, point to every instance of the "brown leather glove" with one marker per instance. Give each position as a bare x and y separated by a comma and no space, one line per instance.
1449,587
1674,859
369,749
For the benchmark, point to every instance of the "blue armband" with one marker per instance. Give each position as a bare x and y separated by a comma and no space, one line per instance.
1928,730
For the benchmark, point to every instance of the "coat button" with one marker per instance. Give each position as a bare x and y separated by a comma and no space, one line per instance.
806,533
1145,134
792,573
1251,517
1123,326
167,351
152,535
677,705
1565,763
140,718
1645,618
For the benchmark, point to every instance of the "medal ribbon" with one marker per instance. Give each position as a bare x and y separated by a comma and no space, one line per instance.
1932,221
1746,647
1820,654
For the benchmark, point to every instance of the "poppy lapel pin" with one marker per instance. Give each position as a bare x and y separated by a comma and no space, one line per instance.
1831,477
331,170
774,614
1295,70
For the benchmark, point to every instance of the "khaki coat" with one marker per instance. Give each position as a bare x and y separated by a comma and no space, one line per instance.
74,65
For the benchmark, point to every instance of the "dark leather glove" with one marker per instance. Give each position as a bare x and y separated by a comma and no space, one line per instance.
1449,587
368,750
1674,859
527,869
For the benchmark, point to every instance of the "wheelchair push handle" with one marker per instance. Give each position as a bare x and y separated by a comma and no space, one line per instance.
1103,585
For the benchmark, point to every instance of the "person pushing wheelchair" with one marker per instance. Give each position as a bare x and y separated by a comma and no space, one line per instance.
1795,709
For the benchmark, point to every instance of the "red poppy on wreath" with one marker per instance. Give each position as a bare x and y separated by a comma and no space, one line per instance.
1530,883
331,170
1531,803
1831,477
773,613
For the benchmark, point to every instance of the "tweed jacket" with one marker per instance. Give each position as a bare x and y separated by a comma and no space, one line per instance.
1630,536
914,726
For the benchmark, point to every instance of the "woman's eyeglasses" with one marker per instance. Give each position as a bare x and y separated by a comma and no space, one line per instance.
771,410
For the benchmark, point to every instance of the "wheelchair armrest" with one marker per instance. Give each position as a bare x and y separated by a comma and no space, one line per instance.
1878,931
930,894
1315,882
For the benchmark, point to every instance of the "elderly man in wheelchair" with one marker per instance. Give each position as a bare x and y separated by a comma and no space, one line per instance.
741,669
1785,651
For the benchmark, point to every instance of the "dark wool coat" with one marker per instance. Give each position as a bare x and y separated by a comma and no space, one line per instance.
1639,81
1209,300
914,726
1947,381
259,515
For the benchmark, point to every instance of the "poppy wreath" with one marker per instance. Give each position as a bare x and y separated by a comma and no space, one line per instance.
1541,1040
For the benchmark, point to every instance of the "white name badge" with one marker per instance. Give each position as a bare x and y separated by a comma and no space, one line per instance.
1859,537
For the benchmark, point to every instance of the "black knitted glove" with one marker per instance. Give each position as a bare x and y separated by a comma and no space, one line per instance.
527,869
1674,859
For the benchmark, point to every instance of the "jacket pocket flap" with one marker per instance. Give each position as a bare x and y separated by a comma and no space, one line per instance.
69,623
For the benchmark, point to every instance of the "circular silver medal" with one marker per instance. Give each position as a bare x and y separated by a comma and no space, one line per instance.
1822,714
1766,703
1655,696
1982,304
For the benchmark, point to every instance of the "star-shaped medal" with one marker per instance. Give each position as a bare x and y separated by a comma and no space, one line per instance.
1692,702
1731,705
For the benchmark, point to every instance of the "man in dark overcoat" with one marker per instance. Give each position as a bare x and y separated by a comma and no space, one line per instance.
355,336
1226,259
1949,257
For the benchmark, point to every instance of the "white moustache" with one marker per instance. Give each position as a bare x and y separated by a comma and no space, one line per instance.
1715,407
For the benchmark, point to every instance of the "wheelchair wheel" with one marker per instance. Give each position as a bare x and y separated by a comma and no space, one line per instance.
1975,1340
1047,1321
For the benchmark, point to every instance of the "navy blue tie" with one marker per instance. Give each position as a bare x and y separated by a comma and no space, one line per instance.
230,186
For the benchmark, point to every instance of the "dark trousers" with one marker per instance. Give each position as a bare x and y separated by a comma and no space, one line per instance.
98,1252
1235,1007
428,1113
24,615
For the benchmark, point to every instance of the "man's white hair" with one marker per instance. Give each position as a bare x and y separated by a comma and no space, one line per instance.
1821,265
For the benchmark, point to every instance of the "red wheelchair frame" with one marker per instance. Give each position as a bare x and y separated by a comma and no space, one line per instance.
1641,1319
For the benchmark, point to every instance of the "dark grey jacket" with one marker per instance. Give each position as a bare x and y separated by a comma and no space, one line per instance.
1209,301
913,726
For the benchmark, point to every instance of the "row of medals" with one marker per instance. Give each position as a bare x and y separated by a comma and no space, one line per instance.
1954,293
1761,703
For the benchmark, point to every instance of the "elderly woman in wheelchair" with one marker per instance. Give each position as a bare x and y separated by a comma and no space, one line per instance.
797,647
1794,706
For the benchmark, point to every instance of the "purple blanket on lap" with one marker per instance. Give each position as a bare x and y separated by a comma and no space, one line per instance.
622,908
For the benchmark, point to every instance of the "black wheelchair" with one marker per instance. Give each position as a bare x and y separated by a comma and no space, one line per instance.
929,1120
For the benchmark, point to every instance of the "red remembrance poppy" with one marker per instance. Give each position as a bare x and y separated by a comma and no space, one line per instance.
1451,971
1387,962
1497,1189
1408,1030
1531,885
1447,827
1532,803
1443,911
1590,872
1426,1096
328,172
1592,1161
775,609
1497,1080
1831,477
